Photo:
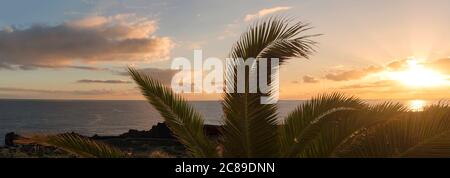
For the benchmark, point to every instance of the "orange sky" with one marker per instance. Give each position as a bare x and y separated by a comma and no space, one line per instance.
80,51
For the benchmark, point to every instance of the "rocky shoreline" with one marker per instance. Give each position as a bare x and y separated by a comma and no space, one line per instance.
156,142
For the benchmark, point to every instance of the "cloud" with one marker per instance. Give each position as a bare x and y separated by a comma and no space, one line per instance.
120,38
27,93
34,67
353,74
377,84
229,30
42,91
398,64
393,90
264,12
163,75
340,74
104,81
6,66
310,79
441,65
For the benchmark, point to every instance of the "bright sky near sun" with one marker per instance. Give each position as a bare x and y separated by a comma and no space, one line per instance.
78,49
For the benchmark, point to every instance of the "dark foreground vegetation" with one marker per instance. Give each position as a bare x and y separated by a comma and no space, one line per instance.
156,142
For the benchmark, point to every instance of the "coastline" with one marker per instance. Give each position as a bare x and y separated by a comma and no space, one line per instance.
157,142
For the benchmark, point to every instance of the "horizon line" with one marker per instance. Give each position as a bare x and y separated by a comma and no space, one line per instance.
56,99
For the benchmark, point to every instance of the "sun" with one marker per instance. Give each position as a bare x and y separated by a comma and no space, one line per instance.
417,75
417,105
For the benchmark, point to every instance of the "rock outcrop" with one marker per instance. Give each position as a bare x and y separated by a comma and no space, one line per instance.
9,138
160,130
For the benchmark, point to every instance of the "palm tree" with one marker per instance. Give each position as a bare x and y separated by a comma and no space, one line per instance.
330,125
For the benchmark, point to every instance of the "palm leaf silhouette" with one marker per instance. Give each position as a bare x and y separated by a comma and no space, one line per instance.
304,124
411,134
336,131
184,122
75,144
250,128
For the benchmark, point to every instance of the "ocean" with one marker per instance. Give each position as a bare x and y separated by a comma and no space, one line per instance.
105,117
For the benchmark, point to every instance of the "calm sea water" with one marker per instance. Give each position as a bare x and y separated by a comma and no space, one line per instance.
104,117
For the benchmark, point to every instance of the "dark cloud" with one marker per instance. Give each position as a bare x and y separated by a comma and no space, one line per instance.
86,68
104,81
34,67
6,66
310,79
71,92
163,75
69,67
353,74
93,39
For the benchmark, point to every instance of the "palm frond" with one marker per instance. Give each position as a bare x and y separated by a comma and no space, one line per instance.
409,134
275,37
185,123
437,146
250,128
305,123
75,144
334,136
